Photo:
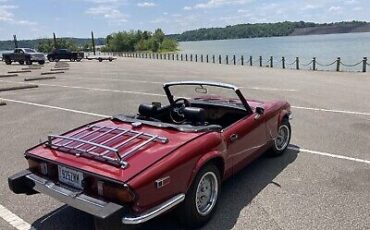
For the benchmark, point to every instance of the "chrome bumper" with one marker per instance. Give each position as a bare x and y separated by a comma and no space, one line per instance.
154,212
25,182
31,182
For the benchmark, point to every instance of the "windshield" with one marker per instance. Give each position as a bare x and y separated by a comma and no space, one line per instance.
30,50
211,94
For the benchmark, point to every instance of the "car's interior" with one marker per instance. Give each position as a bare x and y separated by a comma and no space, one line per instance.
195,113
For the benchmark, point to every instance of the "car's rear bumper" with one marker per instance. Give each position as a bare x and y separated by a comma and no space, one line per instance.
25,182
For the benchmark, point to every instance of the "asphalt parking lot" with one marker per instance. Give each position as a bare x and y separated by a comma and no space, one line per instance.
322,181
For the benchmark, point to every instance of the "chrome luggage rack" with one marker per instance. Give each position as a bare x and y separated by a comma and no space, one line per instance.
92,142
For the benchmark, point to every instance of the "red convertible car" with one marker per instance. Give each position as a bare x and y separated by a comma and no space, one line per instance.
165,157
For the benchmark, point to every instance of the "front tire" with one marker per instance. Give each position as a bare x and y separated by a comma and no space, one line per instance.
201,200
8,61
282,140
28,62
41,62
21,62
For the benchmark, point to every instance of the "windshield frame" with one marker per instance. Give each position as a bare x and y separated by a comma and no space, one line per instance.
237,91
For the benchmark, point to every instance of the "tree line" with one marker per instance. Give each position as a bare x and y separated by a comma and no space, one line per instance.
255,30
139,41
124,41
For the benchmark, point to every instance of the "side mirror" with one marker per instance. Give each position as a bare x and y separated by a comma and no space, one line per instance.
260,110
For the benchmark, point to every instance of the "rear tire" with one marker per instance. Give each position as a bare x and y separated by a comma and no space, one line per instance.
21,62
8,62
51,59
28,62
41,62
282,141
201,200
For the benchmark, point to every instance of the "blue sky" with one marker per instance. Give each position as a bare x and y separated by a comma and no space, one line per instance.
40,18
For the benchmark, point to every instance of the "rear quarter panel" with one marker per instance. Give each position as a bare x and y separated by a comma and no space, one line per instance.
181,167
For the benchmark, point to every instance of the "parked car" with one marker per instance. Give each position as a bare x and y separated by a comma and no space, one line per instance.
59,54
24,55
164,157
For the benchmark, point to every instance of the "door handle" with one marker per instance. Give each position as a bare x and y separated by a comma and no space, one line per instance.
234,137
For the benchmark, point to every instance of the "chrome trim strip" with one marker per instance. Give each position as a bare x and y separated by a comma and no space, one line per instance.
154,212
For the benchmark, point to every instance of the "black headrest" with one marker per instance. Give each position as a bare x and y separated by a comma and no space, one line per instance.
147,110
195,115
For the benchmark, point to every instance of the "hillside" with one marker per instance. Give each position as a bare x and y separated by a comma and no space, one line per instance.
271,30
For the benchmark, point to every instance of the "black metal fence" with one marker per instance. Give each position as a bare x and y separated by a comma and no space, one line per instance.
270,62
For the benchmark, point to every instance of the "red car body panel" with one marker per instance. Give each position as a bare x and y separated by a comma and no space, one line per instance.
143,159
185,153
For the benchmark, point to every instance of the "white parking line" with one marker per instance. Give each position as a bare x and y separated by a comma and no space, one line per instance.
88,88
162,95
331,110
329,155
106,116
55,107
13,219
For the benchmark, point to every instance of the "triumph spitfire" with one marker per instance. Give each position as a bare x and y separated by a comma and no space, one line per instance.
171,157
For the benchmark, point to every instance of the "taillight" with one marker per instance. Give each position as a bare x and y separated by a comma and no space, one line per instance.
120,193
41,167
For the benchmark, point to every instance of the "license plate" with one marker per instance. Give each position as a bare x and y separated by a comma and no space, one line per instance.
70,177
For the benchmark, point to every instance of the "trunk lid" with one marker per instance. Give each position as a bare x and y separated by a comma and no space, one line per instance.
80,148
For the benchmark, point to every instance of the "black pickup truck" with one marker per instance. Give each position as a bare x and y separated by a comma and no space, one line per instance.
59,54
24,55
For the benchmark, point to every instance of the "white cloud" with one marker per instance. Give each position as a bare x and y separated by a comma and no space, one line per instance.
335,9
187,8
6,15
146,4
102,1
108,12
218,3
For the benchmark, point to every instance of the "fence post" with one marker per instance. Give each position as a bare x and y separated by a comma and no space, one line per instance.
314,63
234,59
297,62
201,58
196,57
227,59
219,59
181,57
191,57
213,59
251,60
186,57
242,60
271,61
207,58
364,63
260,61
283,62
338,64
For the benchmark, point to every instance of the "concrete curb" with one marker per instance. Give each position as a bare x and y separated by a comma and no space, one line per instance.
8,75
39,78
54,72
18,87
20,71
58,69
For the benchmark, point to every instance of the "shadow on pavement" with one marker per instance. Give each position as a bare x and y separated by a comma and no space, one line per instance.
237,193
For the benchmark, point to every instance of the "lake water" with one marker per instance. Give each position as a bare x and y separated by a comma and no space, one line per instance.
351,47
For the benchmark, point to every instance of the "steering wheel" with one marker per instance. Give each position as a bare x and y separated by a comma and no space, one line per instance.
177,110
